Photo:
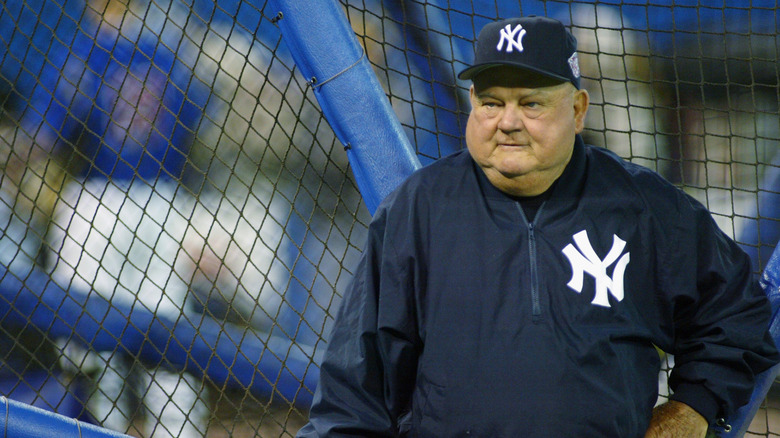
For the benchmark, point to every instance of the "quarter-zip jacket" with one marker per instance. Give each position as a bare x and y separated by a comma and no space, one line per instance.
465,319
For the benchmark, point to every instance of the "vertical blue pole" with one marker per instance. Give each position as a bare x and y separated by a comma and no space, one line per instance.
332,61
328,54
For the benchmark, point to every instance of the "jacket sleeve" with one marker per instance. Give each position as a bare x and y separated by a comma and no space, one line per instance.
369,367
721,337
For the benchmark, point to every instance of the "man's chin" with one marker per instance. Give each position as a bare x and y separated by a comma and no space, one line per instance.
513,170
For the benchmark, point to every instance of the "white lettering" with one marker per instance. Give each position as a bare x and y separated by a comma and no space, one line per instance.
512,37
586,260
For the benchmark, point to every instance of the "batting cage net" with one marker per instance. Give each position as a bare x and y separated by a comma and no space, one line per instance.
179,218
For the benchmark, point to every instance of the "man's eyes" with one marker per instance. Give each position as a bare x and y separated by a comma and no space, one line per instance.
529,104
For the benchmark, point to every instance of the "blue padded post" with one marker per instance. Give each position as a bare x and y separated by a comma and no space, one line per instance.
770,282
19,420
332,61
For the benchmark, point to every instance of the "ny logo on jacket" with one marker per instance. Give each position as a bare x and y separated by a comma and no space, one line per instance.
586,260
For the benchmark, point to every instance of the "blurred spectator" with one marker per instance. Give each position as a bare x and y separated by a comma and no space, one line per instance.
615,70
120,224
116,101
29,370
33,125
718,110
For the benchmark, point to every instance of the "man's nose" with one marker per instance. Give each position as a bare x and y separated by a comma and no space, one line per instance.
511,120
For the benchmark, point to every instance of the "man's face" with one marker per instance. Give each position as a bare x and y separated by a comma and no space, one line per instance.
521,128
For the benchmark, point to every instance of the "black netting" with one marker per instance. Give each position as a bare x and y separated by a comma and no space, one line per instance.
178,219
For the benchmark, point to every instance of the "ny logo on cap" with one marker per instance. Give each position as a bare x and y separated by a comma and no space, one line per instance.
512,37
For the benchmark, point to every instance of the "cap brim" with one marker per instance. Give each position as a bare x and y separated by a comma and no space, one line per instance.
471,72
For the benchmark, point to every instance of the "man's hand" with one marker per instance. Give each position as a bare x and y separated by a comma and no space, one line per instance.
674,419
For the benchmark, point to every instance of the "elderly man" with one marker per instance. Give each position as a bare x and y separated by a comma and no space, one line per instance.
521,287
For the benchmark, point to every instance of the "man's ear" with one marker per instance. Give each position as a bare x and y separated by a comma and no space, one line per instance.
581,103
472,96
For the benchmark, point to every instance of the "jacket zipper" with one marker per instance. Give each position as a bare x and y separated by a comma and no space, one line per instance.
536,306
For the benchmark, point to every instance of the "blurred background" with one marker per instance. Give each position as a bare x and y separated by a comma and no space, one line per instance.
178,220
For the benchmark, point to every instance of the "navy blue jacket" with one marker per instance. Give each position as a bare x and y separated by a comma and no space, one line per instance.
465,319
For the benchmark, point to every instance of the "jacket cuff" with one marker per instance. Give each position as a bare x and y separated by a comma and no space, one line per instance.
701,399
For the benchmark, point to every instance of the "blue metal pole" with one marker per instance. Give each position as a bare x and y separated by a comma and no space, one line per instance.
19,420
332,61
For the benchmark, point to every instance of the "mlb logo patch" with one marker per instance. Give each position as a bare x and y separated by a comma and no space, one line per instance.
574,65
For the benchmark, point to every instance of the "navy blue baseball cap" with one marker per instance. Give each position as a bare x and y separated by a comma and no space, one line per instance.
539,44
